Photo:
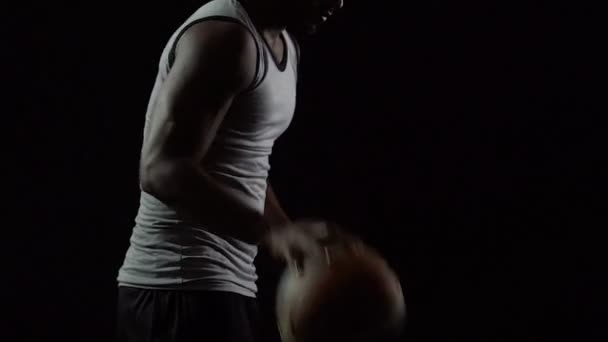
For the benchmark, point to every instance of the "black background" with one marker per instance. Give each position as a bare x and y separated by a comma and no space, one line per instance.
463,140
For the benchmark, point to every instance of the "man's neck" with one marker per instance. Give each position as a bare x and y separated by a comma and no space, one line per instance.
264,18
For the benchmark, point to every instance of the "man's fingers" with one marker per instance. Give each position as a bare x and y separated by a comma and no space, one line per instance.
305,240
316,229
288,243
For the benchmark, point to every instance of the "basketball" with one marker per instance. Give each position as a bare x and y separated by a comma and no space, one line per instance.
350,294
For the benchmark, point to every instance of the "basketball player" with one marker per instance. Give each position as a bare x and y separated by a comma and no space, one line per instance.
224,92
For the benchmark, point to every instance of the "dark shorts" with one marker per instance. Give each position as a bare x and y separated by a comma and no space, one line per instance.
184,316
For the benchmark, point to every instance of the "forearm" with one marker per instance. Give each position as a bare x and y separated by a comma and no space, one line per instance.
273,211
198,197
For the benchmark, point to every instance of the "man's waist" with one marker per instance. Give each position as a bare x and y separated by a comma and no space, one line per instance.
182,258
225,284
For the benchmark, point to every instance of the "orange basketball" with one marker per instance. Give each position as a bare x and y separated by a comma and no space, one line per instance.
349,295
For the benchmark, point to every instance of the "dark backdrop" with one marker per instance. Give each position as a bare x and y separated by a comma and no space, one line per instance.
461,140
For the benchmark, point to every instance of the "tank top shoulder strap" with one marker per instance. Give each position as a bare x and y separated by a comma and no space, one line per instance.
229,11
296,45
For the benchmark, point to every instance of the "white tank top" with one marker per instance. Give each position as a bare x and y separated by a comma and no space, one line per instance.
166,252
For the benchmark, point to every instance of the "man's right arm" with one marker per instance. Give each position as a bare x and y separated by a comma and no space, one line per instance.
214,62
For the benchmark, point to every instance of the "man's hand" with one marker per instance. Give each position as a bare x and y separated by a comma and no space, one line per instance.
310,241
298,241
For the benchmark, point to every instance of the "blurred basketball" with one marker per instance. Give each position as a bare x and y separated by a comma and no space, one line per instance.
350,294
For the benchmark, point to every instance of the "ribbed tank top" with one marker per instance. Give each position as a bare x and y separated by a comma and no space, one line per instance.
167,252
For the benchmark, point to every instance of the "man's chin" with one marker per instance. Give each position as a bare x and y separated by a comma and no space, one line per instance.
310,30
306,29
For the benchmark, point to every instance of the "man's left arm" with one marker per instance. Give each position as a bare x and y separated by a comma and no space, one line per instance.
273,211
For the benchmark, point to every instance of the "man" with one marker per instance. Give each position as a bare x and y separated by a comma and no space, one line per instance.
225,91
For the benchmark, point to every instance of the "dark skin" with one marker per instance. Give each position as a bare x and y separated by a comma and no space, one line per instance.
274,16
218,59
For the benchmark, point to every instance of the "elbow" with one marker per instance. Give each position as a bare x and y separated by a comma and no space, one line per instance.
155,178
167,179
148,181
